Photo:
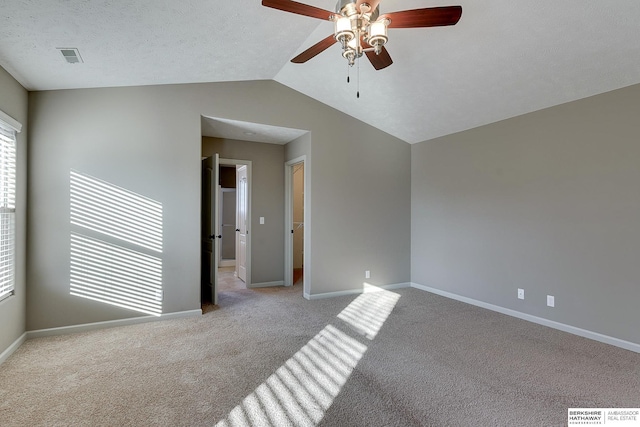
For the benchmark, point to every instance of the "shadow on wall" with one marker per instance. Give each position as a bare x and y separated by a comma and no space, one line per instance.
116,245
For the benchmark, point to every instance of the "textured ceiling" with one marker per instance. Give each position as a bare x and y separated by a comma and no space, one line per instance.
502,59
244,131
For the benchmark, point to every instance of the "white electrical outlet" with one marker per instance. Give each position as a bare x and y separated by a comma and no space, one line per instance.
367,274
520,293
551,301
262,220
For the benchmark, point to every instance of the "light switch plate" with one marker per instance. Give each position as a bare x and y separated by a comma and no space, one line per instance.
261,220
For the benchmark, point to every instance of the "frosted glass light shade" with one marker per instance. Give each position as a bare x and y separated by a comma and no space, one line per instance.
343,31
378,33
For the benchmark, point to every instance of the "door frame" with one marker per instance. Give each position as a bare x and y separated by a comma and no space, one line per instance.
247,163
288,225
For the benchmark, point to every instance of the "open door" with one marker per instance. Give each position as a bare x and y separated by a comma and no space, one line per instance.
210,229
216,236
241,222
208,232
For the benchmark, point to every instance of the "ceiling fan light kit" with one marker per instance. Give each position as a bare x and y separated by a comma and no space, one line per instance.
354,25
360,28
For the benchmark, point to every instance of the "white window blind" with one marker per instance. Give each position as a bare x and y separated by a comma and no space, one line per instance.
7,209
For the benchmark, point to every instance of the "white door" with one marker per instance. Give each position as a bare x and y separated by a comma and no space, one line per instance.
241,222
215,227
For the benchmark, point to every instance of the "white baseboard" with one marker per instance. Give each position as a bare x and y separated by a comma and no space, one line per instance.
266,284
627,345
13,347
396,286
354,291
109,324
227,263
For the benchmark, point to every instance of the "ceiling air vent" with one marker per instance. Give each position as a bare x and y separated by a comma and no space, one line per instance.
71,55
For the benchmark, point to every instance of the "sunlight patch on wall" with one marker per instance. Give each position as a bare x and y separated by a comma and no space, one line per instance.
302,390
116,246
115,275
116,212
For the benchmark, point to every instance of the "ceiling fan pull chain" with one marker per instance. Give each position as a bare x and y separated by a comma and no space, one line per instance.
358,80
348,79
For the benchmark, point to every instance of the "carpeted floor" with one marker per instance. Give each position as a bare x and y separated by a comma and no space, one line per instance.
269,357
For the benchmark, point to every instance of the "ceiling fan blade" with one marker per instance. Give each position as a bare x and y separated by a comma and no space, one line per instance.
428,17
380,61
372,3
383,60
299,8
317,48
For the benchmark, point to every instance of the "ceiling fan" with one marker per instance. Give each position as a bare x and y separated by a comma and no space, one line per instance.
361,29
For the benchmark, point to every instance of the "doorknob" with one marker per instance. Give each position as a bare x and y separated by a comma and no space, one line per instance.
213,236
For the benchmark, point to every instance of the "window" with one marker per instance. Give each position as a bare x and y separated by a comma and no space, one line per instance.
8,129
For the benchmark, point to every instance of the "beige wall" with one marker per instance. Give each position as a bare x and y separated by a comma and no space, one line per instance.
148,140
548,202
267,200
13,101
360,207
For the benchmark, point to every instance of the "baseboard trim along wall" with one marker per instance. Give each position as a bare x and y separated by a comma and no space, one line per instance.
627,345
266,284
13,347
109,324
355,291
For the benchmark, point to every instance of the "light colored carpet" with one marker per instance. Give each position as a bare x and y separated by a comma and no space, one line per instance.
269,357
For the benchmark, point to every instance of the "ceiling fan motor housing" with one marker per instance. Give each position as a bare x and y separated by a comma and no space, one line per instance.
349,8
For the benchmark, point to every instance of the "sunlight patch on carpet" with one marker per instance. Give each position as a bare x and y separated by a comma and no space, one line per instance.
304,387
367,313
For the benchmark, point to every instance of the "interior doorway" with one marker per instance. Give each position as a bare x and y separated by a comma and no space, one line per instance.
297,243
226,213
297,181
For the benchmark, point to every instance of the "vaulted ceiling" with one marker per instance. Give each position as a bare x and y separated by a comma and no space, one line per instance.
504,58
